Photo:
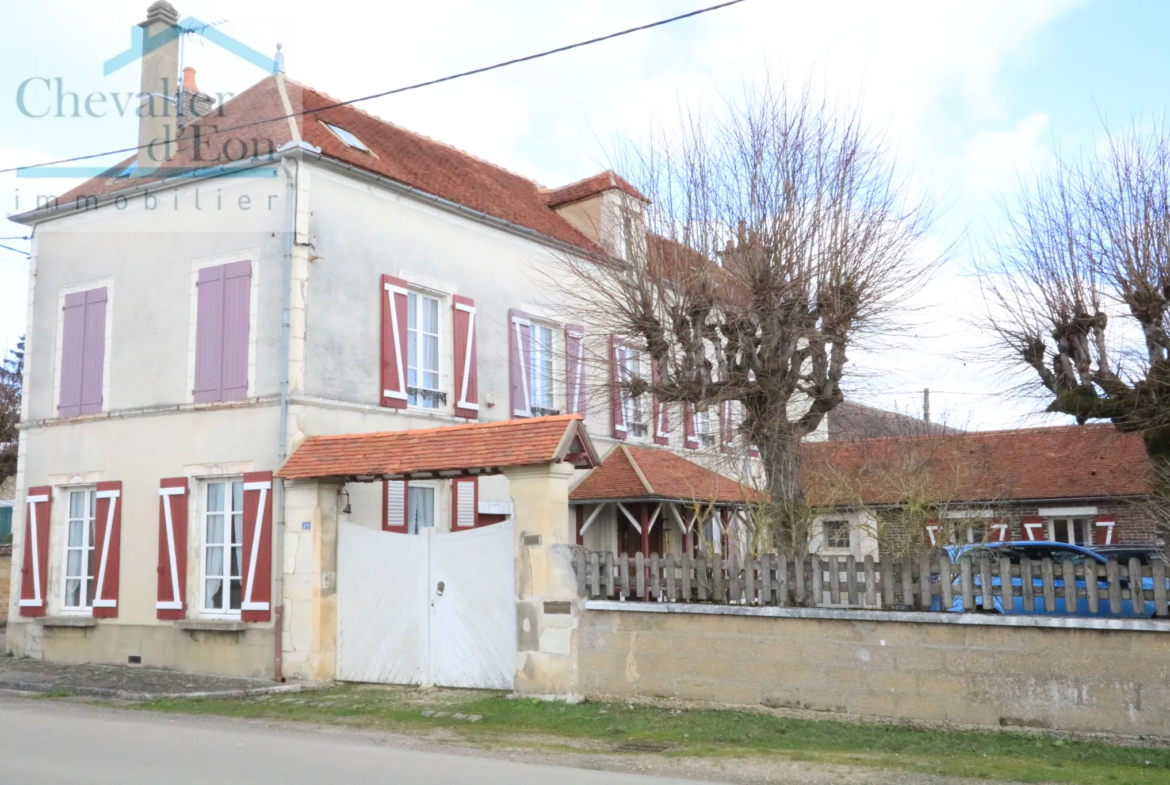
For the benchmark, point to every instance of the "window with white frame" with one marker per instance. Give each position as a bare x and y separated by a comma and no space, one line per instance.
223,547
1075,531
422,352
835,535
634,365
79,551
420,510
541,371
703,431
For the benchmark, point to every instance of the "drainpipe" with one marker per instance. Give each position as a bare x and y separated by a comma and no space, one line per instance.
289,165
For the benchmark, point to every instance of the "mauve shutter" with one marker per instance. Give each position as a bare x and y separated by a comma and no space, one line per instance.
93,351
72,355
466,375
237,297
172,549
393,338
34,572
574,369
519,357
209,336
394,506
690,438
617,412
257,550
1103,530
108,545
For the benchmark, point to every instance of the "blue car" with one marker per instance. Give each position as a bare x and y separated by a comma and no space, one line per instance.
1059,553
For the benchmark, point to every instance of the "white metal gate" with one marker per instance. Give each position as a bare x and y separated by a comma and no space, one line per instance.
435,608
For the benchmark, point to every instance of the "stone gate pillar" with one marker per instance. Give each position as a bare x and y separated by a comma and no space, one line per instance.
546,587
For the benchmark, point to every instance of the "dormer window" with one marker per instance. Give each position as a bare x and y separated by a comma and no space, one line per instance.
345,136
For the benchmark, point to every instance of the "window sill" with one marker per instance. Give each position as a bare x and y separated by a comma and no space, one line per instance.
210,625
67,621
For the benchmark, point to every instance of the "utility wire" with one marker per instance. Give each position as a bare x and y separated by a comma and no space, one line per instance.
17,250
408,88
14,237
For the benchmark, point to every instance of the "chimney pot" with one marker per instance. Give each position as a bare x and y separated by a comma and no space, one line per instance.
161,11
189,79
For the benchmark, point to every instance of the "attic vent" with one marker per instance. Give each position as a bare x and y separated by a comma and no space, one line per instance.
347,137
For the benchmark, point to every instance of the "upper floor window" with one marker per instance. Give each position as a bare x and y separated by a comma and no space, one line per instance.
83,352
79,551
703,432
422,352
633,366
223,547
222,324
542,394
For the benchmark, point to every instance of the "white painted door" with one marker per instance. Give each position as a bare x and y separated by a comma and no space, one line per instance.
397,625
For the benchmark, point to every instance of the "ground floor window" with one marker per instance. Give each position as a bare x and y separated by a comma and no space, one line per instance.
420,512
835,534
1075,531
79,551
223,547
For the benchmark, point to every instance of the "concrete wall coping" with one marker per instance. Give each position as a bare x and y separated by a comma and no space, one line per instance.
66,621
911,617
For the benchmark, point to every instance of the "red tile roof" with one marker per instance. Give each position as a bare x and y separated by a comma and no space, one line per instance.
590,186
483,446
649,473
1065,462
396,153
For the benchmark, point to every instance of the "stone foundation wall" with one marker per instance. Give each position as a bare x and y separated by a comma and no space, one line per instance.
246,654
984,673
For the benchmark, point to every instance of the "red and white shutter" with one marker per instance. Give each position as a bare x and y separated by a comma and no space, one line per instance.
519,357
257,551
466,375
661,413
933,534
690,438
1103,530
34,573
574,369
464,503
1033,527
172,549
394,307
617,412
394,493
108,542
1000,531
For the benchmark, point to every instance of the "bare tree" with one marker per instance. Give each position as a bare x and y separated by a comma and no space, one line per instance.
775,236
11,373
1078,286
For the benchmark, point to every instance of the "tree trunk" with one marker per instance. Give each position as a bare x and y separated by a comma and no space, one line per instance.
787,511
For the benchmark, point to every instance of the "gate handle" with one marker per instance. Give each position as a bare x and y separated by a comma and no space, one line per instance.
439,588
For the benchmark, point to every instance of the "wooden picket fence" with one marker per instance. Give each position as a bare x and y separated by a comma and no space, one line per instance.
930,582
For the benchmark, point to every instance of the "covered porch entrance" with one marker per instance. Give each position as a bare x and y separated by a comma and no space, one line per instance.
417,605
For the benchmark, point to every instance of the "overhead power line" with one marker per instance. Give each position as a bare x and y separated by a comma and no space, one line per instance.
17,250
419,85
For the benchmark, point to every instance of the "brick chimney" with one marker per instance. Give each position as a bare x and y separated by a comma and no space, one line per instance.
158,120
193,104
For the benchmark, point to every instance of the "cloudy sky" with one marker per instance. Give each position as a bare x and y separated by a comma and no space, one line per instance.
967,93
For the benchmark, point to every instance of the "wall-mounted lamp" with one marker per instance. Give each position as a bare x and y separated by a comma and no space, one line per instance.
347,509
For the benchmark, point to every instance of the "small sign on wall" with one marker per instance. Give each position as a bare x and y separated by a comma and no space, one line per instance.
306,525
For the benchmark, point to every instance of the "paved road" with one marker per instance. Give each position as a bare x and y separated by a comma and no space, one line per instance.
45,743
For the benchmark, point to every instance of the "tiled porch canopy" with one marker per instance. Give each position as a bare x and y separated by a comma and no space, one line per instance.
451,451
648,485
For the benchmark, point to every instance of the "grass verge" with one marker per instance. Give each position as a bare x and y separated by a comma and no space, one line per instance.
598,727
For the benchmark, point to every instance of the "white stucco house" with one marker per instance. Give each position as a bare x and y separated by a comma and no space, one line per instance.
278,269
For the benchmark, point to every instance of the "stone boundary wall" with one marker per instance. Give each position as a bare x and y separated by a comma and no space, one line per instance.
1104,675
